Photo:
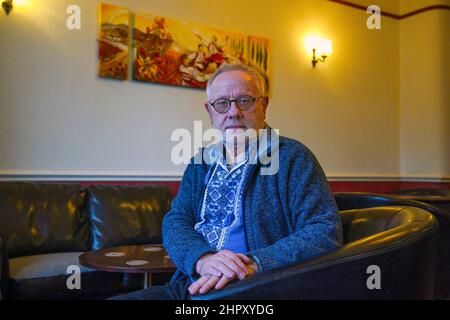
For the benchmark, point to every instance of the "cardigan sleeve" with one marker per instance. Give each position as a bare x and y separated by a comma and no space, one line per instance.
318,229
184,245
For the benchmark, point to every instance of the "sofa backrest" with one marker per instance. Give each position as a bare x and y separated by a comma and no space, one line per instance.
40,218
123,215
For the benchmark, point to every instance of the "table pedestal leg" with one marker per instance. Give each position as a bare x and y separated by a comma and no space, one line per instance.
147,280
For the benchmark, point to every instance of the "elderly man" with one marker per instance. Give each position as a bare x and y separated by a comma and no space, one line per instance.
229,220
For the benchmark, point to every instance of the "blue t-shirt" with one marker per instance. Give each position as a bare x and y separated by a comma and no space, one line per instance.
236,240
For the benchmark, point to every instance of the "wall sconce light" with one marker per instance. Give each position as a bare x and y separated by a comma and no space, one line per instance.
321,48
7,5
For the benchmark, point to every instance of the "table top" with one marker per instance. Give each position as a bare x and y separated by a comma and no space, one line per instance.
149,258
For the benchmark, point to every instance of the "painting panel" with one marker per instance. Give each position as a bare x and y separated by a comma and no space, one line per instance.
258,56
172,52
113,42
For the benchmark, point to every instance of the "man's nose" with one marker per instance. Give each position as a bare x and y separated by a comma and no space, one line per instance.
234,110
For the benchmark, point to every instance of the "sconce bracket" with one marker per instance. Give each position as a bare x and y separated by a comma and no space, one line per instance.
316,59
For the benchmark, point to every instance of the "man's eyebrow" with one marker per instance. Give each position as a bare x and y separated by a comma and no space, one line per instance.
218,97
227,97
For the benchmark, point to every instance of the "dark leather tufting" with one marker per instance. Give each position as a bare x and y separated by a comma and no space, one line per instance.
127,214
42,218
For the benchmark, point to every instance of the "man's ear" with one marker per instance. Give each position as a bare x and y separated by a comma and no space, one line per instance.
207,106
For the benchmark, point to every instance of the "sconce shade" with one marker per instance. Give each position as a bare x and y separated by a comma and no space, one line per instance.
319,47
324,47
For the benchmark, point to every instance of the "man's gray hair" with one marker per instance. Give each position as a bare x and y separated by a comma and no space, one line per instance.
255,74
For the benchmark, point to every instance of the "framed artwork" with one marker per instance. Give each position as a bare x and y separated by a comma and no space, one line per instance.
259,56
113,42
172,52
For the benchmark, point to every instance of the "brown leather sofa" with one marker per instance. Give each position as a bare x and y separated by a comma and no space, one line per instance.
44,227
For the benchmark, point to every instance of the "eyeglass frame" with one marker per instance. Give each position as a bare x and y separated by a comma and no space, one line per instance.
236,102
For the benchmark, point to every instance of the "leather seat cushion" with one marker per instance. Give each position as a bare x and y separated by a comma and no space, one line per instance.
43,265
30,274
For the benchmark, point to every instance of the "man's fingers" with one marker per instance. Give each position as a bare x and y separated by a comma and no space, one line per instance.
222,267
242,269
232,265
244,258
195,287
222,282
226,263
209,285
211,270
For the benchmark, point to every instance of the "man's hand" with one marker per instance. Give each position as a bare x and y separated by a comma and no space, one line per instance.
207,283
211,277
226,263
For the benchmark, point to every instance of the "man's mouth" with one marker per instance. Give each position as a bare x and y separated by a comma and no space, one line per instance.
236,126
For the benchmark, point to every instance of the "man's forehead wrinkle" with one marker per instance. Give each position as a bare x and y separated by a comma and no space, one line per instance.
230,86
232,82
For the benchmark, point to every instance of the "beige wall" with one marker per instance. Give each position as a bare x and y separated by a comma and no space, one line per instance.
424,94
58,118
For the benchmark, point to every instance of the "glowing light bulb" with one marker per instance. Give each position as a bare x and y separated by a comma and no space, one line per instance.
322,46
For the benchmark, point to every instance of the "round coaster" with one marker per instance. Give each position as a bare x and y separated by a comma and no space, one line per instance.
114,254
153,249
136,262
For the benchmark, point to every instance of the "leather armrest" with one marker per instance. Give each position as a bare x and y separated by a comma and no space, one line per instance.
343,274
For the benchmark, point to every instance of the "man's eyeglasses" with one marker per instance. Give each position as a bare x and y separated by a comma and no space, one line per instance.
245,103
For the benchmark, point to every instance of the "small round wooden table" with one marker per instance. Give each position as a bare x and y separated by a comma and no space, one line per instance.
147,259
